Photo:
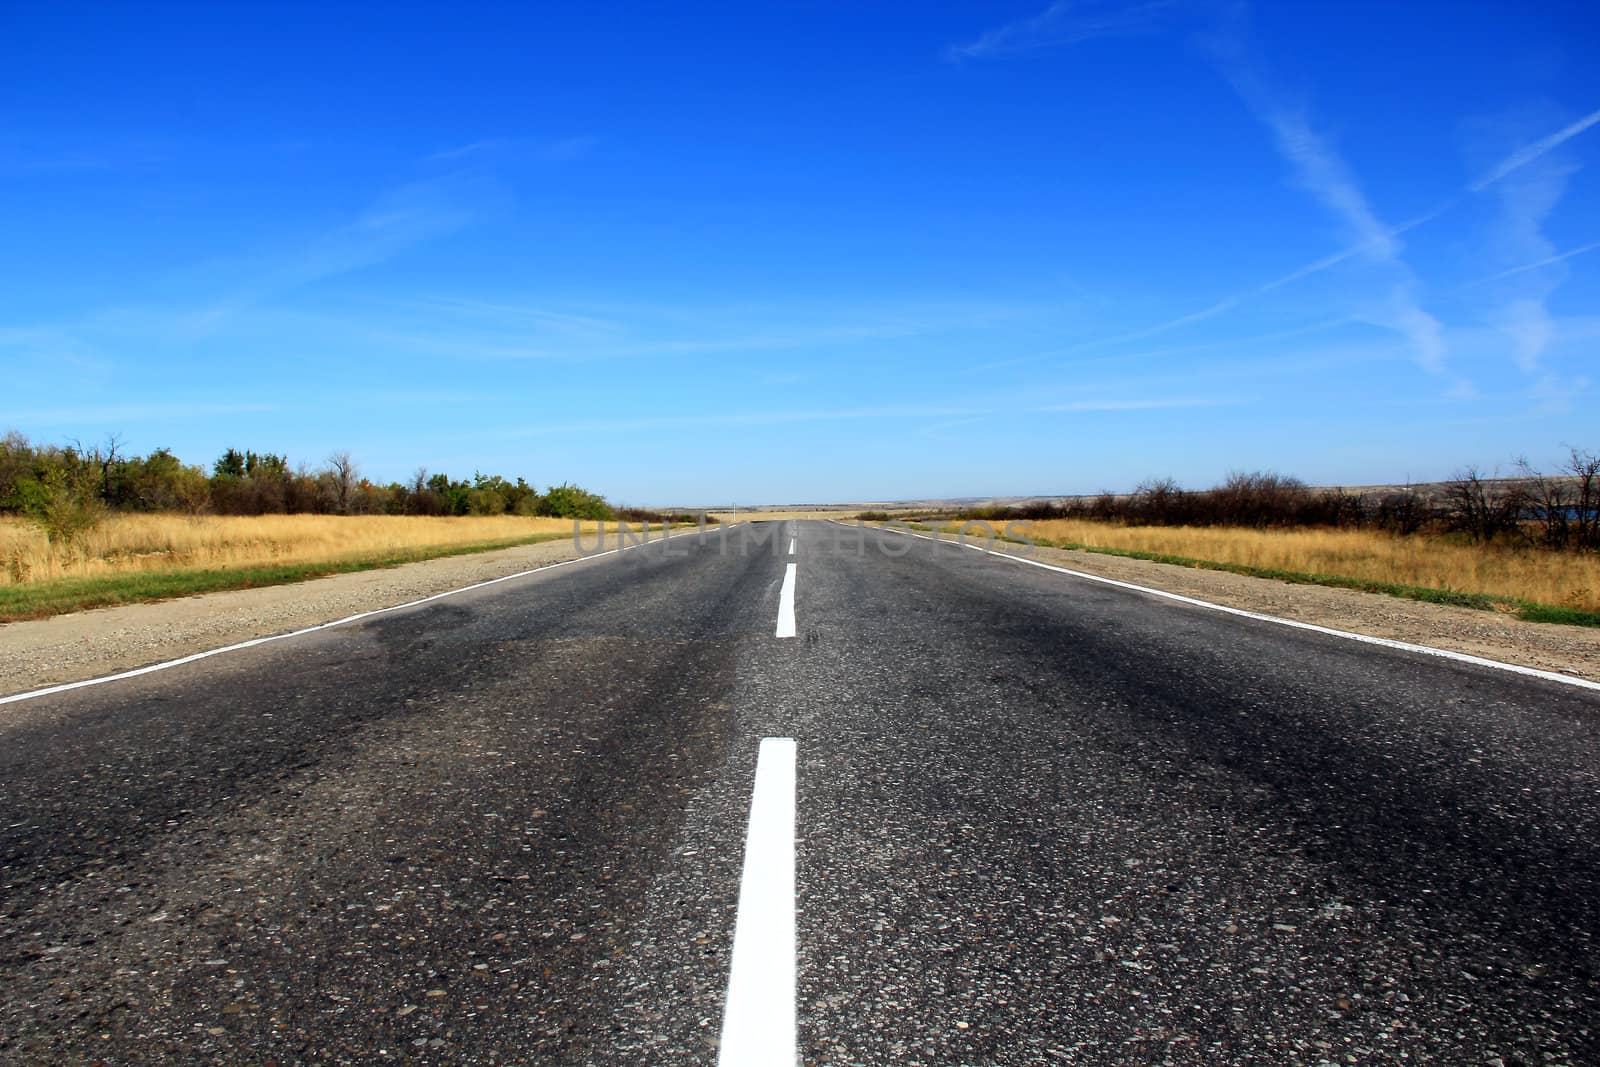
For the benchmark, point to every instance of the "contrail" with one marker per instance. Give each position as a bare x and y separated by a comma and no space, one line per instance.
1521,159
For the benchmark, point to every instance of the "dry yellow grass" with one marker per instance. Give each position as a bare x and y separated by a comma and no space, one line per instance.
142,544
1562,579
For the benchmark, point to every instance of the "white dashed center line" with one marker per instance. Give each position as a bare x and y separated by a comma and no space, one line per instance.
758,1021
786,604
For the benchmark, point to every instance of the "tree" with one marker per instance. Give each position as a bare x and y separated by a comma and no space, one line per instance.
1547,503
229,465
1583,468
419,498
1158,502
70,505
1404,512
345,476
16,466
161,482
1257,498
109,459
1479,507
567,501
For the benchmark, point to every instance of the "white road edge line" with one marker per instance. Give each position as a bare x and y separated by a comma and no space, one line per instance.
786,604
1404,646
758,1018
357,617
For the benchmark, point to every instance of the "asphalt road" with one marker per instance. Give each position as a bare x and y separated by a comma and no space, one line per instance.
1037,819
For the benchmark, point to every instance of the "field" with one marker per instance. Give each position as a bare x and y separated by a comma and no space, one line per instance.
1559,580
144,557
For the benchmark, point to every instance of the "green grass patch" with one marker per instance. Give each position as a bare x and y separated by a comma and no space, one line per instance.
1565,616
37,600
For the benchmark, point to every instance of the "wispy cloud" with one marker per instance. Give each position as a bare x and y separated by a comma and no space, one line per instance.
1148,354
50,345
556,150
1527,197
1552,395
1067,22
30,156
1328,178
1522,157
1137,404
1374,242
745,418
509,328
958,414
402,217
1323,173
1371,246
1527,327
126,413
566,149
544,316
471,148
937,428
1547,261
398,220
1320,170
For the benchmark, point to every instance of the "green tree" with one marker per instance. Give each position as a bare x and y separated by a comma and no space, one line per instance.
566,501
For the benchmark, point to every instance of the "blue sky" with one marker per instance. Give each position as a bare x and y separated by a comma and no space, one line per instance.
692,254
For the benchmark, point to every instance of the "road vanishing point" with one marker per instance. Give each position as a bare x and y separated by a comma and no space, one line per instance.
800,792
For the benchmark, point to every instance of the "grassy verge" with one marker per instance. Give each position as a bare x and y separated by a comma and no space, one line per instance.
37,600
1522,609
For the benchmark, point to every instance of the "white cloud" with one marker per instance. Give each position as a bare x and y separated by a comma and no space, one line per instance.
1537,264
1526,324
1522,157
1067,22
1527,186
1324,173
126,413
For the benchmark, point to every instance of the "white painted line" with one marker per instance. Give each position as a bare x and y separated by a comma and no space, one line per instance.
786,604
758,1019
152,668
1404,646
791,546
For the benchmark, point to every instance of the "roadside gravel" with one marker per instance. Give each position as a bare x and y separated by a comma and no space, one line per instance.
68,648
85,644
1573,650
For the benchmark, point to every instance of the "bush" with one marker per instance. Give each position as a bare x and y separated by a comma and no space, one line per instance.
66,506
567,501
1482,508
677,518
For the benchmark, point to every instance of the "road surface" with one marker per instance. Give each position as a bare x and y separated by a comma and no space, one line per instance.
1035,819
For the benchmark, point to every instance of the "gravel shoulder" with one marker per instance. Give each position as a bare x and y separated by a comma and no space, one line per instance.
1573,650
87,644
